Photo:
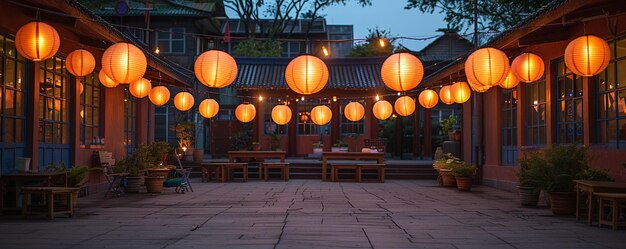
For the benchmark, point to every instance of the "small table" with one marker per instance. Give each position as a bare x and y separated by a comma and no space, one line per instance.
284,170
380,169
217,168
241,154
615,202
592,187
46,177
49,193
227,168
378,156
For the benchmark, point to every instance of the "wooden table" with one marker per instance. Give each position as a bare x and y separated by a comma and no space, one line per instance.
49,193
614,202
47,178
592,187
378,156
241,154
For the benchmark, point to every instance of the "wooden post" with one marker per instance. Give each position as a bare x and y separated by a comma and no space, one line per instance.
417,143
428,143
334,131
291,133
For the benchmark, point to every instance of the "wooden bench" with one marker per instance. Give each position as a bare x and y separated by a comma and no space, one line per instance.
380,168
48,194
616,204
334,170
229,167
209,170
284,170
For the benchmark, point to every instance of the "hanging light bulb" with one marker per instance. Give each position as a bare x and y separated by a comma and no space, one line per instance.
302,98
398,93
156,50
377,97
334,98
260,98
381,42
325,51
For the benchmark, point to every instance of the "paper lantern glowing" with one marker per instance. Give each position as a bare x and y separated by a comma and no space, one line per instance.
183,101
37,41
354,111
404,106
215,68
124,63
460,92
281,114
245,112
477,87
511,81
487,67
159,95
446,95
382,109
428,98
80,62
528,67
402,72
140,88
306,74
105,80
587,55
208,108
321,115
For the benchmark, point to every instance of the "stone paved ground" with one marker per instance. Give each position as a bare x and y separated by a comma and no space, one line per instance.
309,214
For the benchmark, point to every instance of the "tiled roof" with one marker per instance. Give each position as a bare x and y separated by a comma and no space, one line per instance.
158,8
344,73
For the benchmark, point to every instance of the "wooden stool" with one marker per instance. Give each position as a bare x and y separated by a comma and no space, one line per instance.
210,169
380,168
228,167
48,193
615,203
284,170
334,168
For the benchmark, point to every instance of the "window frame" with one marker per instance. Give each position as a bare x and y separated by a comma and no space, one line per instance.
508,153
91,82
563,102
170,33
616,140
535,123
19,92
58,120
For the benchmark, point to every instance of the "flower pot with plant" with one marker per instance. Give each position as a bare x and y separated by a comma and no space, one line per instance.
76,177
185,132
135,165
340,146
531,167
464,176
318,148
448,126
446,172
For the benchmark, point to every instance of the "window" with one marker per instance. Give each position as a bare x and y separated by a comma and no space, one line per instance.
611,99
90,110
12,93
569,105
508,119
536,112
53,102
269,126
130,121
305,125
347,127
139,34
171,41
291,49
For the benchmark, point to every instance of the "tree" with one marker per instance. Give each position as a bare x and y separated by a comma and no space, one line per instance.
493,15
280,14
258,48
372,46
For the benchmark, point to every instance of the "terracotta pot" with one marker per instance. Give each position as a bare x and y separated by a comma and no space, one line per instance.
563,203
198,154
133,184
154,184
464,183
447,178
162,172
438,165
529,196
451,135
457,136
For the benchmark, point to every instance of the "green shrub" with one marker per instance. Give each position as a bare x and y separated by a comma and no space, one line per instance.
464,170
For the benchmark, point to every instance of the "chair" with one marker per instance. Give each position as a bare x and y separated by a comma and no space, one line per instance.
114,180
184,173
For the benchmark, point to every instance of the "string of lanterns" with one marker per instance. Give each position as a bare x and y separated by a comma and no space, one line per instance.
124,63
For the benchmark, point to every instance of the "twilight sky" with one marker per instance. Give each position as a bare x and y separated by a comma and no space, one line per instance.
387,15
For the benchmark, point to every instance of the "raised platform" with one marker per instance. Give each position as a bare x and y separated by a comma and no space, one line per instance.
302,168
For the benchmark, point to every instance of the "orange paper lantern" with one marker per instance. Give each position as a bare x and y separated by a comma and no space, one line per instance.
306,74
183,101
428,98
478,87
511,81
140,88
321,115
124,63
105,80
245,112
382,109
487,67
528,67
460,92
159,95
587,55
208,108
215,68
405,106
37,41
80,62
281,114
354,111
446,95
402,72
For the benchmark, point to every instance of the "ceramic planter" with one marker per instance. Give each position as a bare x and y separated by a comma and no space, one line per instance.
529,196
133,184
447,178
563,203
154,184
464,183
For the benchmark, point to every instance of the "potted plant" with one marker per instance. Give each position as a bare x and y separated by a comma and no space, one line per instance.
564,164
464,176
76,177
185,133
340,146
447,177
532,166
135,165
447,127
318,148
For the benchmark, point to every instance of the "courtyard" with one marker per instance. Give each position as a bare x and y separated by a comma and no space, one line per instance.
309,214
